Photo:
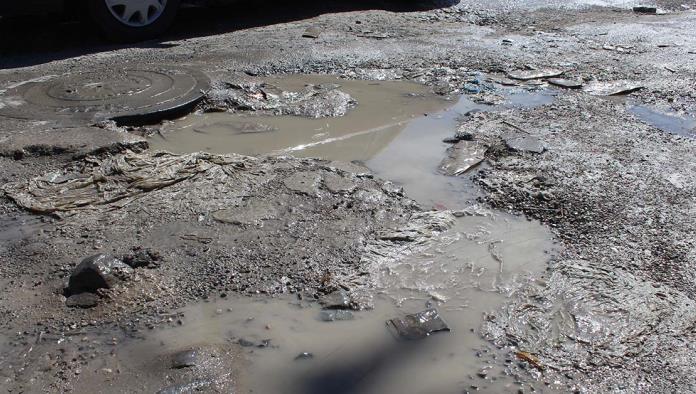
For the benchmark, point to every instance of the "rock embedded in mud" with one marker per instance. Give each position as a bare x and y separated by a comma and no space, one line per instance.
143,257
304,356
527,75
334,315
339,299
185,359
82,300
417,326
101,271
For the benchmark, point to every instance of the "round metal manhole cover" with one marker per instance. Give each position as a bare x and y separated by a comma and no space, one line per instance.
128,96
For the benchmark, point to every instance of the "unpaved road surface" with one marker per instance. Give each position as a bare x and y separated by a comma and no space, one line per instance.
612,177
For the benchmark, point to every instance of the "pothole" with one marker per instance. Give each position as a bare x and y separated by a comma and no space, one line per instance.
129,96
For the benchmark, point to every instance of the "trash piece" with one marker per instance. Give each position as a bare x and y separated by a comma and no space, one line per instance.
526,75
462,157
304,356
417,326
82,300
101,271
566,83
311,32
611,88
531,359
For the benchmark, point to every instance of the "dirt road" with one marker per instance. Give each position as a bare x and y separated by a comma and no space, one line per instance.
579,116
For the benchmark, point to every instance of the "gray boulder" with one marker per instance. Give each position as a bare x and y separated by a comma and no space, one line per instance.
101,271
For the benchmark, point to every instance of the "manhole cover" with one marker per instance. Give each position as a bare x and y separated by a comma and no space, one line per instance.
129,96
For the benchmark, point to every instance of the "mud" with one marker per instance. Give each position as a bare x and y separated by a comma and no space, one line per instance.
613,311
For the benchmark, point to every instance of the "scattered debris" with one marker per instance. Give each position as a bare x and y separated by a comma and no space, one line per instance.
531,359
143,257
101,271
417,326
82,300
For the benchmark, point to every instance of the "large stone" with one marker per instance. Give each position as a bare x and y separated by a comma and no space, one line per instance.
101,271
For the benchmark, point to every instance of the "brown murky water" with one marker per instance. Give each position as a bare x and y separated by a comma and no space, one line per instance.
475,266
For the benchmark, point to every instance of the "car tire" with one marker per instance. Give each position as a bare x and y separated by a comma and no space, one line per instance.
145,23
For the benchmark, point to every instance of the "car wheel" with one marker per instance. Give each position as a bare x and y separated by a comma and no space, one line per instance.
133,20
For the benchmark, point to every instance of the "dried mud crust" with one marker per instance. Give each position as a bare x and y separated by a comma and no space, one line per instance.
617,311
220,224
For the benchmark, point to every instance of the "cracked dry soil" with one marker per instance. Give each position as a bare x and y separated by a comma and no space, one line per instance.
614,311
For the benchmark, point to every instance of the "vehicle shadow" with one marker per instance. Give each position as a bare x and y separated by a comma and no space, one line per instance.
30,41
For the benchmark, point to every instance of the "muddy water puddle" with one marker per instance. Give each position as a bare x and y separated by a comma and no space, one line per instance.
672,123
483,260
396,130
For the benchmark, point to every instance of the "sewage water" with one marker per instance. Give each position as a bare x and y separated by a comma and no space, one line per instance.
470,270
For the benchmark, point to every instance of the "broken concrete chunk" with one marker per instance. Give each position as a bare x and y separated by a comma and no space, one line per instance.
526,75
611,88
518,142
566,83
311,32
101,271
462,157
417,326
82,300
339,299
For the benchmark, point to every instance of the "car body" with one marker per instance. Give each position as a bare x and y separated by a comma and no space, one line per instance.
120,20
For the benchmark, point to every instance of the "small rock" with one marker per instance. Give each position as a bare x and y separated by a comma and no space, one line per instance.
339,299
97,272
304,356
333,315
187,358
142,257
82,300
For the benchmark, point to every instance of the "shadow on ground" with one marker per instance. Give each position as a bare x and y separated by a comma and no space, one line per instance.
29,41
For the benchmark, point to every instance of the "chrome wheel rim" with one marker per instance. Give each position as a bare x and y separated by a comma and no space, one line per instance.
136,13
